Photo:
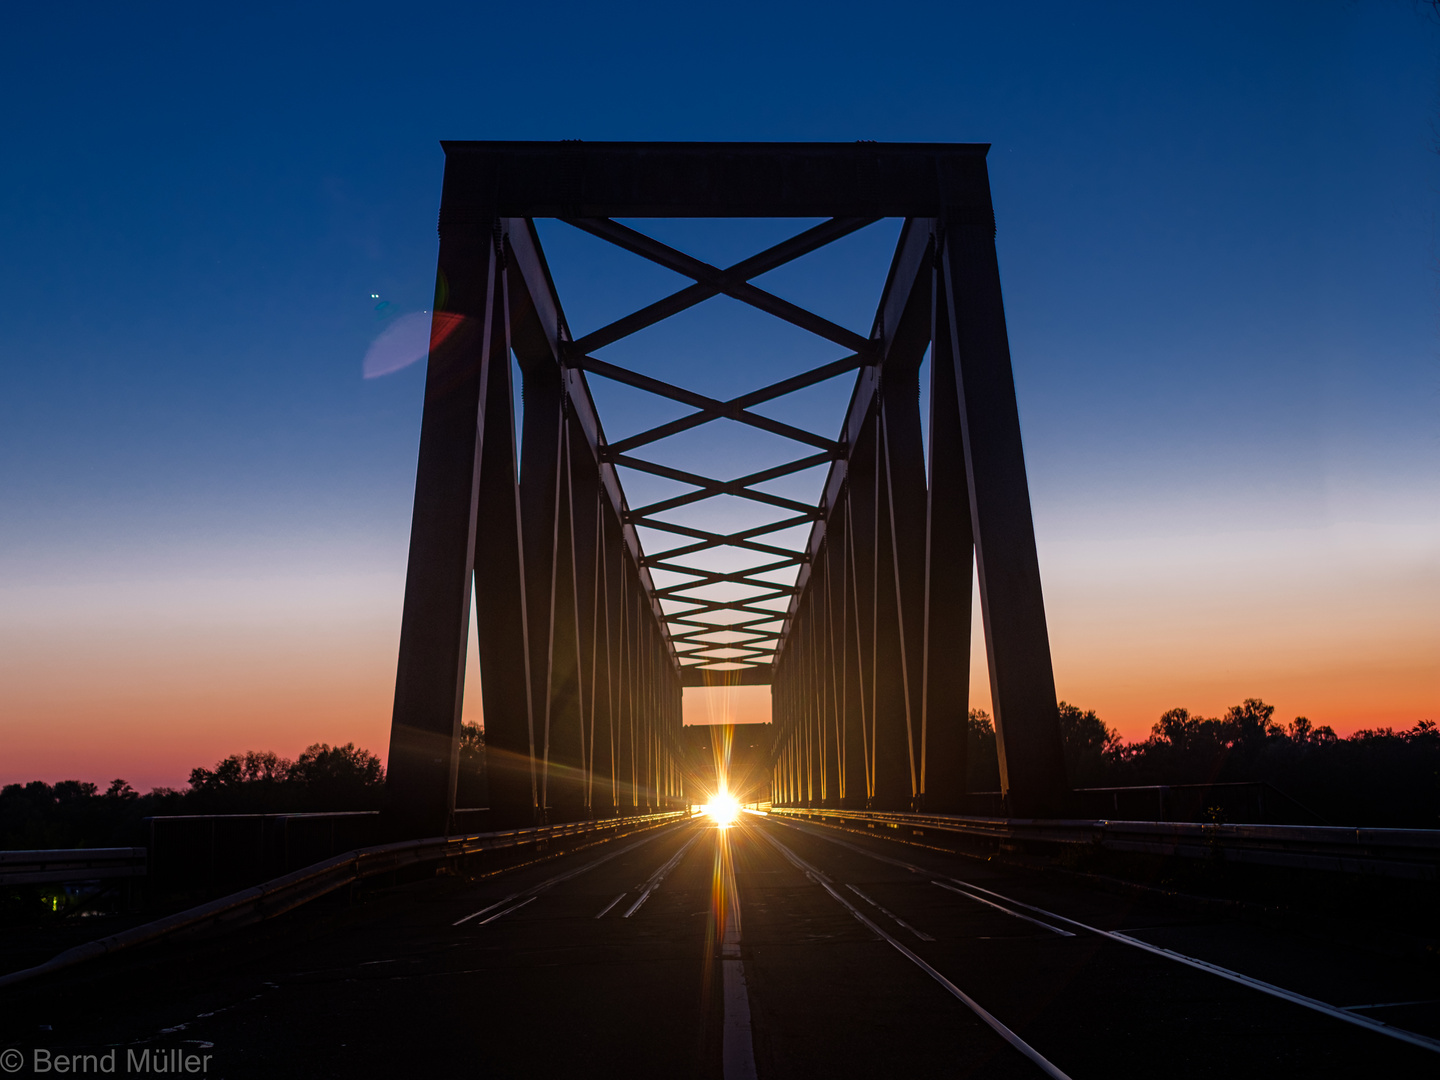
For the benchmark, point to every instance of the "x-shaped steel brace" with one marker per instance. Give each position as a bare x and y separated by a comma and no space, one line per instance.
697,638
715,577
733,281
745,576
702,606
708,540
740,487
683,619
711,280
737,408
710,408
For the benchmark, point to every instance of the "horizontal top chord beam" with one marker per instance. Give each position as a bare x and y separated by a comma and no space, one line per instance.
638,179
757,675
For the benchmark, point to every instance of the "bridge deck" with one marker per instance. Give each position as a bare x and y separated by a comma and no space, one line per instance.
859,957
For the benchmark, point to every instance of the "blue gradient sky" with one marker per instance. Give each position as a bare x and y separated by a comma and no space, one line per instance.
1216,232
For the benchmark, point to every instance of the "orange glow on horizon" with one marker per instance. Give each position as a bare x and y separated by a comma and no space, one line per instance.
726,705
147,679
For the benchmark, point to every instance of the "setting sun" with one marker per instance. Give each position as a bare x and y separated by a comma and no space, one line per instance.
723,809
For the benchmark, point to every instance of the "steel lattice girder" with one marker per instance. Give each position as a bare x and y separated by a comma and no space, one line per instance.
584,660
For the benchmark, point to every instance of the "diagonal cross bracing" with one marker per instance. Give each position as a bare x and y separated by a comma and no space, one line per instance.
861,631
710,408
734,409
721,282
770,259
575,355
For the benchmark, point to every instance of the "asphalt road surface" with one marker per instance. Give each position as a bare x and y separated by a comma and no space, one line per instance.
772,948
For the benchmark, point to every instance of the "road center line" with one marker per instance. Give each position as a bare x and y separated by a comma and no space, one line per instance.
737,1046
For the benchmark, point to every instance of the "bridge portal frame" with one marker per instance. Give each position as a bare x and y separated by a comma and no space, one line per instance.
582,683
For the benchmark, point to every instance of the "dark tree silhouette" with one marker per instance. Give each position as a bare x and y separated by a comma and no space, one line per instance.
471,785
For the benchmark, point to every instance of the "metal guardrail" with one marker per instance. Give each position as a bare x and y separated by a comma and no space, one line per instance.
292,890
220,853
70,864
1399,853
1239,801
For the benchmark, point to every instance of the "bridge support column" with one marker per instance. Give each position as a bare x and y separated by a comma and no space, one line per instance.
467,332
854,791
585,511
903,512
465,475
827,674
949,566
860,503
1022,681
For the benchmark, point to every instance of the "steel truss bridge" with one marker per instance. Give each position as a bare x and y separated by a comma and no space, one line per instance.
588,919
862,632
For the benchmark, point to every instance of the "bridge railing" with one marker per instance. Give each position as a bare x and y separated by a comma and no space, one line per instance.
1399,853
216,852
290,891
59,865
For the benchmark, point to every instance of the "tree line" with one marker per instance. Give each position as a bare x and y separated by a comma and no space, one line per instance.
1377,777
75,813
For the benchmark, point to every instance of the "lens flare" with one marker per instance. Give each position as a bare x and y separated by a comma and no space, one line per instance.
409,339
723,809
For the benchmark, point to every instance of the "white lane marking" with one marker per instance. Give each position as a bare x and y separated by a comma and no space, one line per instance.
1390,1005
1378,1026
974,1006
737,1047
886,911
998,907
1269,988
507,911
611,904
536,890
660,875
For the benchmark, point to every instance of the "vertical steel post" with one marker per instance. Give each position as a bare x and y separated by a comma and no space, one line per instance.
949,566
540,487
467,337
861,500
565,748
502,615
1022,680
891,788
830,727
592,630
904,468
853,768
613,545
